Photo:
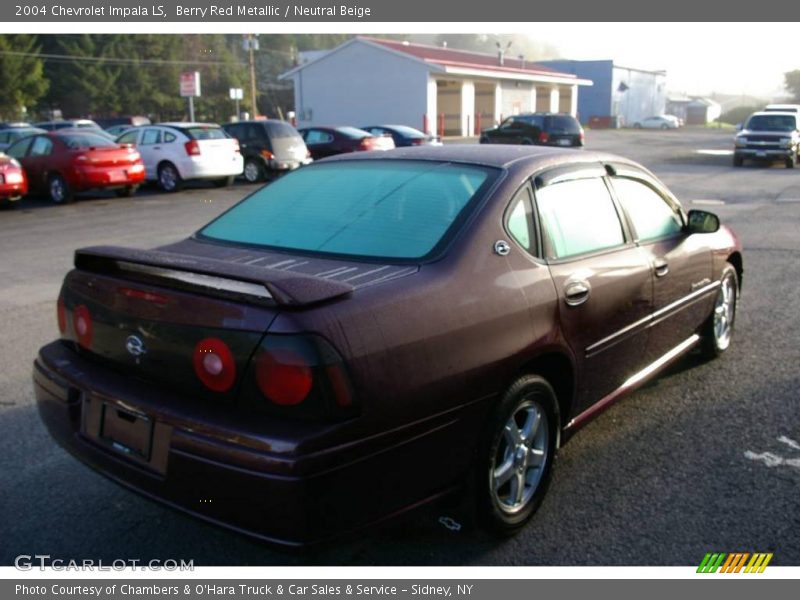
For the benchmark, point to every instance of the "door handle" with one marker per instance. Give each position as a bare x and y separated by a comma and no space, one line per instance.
661,267
156,147
576,292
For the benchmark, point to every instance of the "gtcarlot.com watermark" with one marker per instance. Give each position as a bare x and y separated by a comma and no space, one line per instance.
28,562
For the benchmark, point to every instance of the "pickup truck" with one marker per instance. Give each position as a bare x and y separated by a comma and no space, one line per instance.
769,136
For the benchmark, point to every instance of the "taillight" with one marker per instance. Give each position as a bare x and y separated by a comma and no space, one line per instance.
544,137
299,376
214,364
236,147
61,313
367,143
417,142
82,324
267,154
192,148
308,153
143,295
283,376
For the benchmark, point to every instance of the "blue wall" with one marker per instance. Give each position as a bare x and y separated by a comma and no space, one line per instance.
594,100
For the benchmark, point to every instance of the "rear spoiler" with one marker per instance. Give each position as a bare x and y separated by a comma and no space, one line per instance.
210,275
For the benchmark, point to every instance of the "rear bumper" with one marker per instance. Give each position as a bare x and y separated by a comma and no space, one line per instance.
211,168
286,497
97,177
764,153
13,191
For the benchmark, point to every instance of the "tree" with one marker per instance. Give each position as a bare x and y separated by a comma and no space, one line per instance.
792,83
22,74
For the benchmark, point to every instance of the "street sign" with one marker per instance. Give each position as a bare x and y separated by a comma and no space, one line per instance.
190,84
236,93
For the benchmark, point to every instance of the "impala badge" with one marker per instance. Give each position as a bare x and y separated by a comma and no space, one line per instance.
135,346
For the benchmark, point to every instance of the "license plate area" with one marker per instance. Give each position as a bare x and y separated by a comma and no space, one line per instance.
127,432
564,142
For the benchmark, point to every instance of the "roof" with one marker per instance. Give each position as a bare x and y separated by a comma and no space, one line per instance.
458,61
491,155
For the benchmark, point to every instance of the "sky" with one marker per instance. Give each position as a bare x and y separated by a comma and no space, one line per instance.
700,58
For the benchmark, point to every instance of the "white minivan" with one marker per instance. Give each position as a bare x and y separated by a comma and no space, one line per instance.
177,152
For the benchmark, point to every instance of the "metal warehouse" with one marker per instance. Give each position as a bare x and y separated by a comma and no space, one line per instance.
620,95
452,92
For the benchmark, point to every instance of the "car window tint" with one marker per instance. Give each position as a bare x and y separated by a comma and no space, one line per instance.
206,133
280,130
151,136
315,136
4,137
353,132
168,137
128,138
519,219
377,208
564,123
650,214
20,149
42,146
774,122
74,141
578,216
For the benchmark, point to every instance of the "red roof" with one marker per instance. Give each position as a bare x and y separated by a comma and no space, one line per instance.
448,57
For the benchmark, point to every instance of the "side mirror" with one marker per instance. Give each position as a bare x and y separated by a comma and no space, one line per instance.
701,221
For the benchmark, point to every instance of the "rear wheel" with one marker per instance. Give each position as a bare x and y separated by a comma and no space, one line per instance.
516,455
738,161
791,161
127,191
169,179
665,126
637,125
253,171
224,182
718,330
58,189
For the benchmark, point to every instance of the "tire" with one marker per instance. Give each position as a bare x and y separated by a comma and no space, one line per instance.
253,171
516,455
738,161
127,191
791,161
527,142
717,332
169,180
224,182
57,190
637,125
665,126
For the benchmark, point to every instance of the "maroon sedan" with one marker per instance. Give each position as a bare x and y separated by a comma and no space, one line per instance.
328,141
67,161
373,331
13,183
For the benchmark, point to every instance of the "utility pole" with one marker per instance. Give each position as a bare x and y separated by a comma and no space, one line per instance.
252,45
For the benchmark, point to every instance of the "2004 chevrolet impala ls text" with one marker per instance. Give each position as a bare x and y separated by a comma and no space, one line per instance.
371,332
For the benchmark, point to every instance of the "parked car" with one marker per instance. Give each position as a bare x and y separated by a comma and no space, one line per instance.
269,148
541,129
110,123
64,162
404,136
327,141
11,124
13,183
117,130
375,330
67,124
794,108
174,153
10,135
769,136
657,122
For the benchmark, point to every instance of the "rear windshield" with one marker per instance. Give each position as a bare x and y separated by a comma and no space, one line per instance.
353,132
409,132
772,123
565,124
205,133
279,130
370,209
75,141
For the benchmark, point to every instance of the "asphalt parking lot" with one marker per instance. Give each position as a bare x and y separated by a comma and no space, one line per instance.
706,458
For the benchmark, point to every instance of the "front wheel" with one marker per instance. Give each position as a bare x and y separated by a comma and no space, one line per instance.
516,455
738,161
253,171
718,330
791,161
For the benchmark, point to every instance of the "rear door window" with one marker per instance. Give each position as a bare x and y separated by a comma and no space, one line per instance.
151,136
578,217
20,149
42,146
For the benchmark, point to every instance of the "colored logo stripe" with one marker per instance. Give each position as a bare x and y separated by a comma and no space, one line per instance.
734,562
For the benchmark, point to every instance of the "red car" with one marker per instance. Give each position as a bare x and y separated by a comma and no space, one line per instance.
64,162
13,183
328,141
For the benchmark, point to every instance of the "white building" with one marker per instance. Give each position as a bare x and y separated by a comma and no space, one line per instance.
455,92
